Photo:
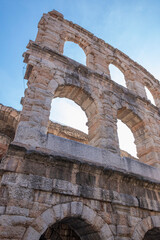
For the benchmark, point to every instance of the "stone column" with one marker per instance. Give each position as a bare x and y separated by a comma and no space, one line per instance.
32,127
134,84
109,130
147,143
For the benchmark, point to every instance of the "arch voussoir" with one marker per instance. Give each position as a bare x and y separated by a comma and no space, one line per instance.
31,234
144,226
69,210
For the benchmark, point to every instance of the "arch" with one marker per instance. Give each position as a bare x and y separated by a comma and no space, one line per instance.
126,140
9,119
136,125
117,62
74,37
79,96
144,226
75,52
82,42
89,105
68,113
117,75
153,89
67,212
149,95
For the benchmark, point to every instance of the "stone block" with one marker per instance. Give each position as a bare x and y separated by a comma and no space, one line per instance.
76,209
2,210
12,210
31,234
13,220
48,217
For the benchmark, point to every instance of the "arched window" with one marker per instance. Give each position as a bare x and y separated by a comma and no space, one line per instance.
126,140
149,95
117,75
68,113
72,50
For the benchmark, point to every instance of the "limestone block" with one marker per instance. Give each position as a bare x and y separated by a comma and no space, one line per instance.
155,221
12,210
20,193
76,208
2,210
52,85
64,186
10,220
105,232
39,225
65,210
31,234
88,214
38,182
48,217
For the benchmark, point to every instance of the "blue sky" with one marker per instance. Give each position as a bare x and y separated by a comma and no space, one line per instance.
133,26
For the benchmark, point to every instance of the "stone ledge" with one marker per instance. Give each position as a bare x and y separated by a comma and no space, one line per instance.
101,157
65,150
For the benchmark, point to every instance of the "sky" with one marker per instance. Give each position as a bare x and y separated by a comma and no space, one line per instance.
132,26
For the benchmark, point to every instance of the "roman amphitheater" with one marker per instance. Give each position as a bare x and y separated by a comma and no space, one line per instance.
58,183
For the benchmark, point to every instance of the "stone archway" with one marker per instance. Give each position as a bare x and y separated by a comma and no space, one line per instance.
137,127
9,118
90,105
147,229
73,214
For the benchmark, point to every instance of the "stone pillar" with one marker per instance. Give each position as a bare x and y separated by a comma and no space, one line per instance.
109,131
147,143
50,30
33,124
133,84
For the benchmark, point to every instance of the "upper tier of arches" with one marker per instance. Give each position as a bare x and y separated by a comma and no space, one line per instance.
54,31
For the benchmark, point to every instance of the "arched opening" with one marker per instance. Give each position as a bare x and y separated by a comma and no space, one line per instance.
117,75
70,229
135,133
153,234
149,95
68,120
87,104
126,140
68,113
75,52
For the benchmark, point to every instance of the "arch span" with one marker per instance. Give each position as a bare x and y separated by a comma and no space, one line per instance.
79,96
75,52
147,226
89,105
9,118
136,125
74,213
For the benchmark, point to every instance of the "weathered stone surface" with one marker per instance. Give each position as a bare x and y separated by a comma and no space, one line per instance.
59,183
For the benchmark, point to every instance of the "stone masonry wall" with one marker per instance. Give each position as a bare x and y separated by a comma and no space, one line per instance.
39,190
57,188
103,101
